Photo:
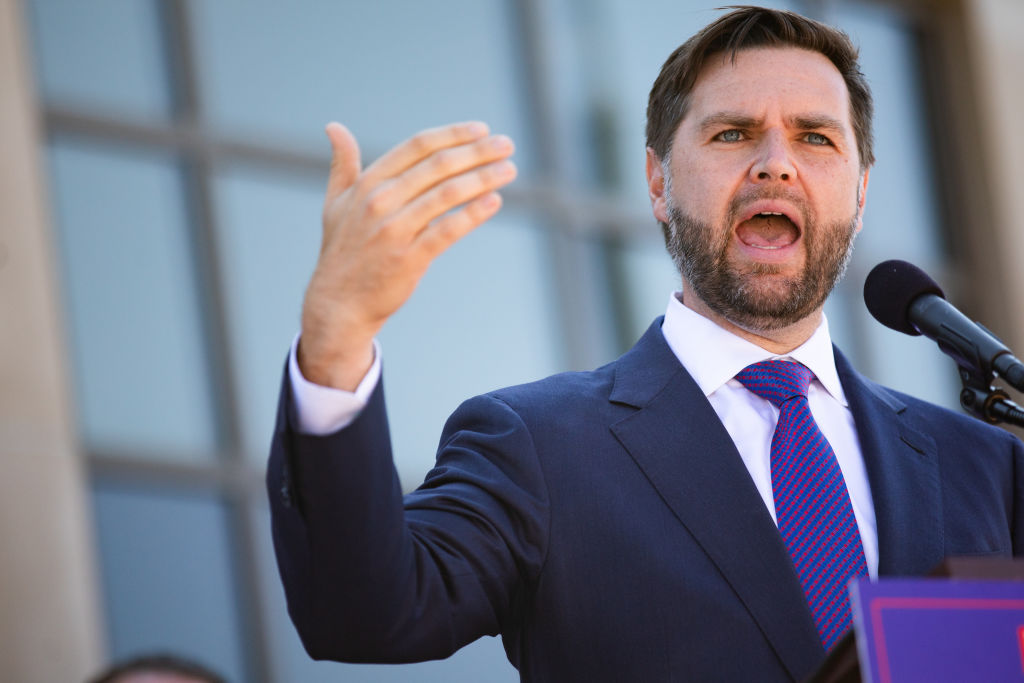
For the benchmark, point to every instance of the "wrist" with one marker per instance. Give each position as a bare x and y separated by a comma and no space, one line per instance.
335,366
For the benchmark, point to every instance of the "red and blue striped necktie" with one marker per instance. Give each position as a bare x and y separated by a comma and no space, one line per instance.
812,505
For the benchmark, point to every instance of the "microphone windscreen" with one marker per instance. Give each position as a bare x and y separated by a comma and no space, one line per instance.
891,287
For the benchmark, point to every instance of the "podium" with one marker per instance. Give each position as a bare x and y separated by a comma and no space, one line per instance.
963,623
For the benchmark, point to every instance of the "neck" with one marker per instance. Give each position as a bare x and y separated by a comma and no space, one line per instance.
778,341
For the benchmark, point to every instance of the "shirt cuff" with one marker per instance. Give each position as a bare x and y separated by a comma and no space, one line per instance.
317,410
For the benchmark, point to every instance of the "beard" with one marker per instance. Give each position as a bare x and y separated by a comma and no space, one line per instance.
758,296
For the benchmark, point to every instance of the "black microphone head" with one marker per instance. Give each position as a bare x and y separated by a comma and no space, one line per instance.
891,287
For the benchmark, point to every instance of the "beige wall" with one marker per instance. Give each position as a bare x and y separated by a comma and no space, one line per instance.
48,596
996,55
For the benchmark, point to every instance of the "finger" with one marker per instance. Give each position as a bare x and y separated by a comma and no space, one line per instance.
444,231
448,163
449,194
422,145
345,161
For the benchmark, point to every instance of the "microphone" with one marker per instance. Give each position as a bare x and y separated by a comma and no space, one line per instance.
902,296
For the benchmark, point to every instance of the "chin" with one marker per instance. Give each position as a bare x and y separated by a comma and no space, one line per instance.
771,301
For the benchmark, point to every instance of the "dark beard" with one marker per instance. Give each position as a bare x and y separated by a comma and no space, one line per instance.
757,297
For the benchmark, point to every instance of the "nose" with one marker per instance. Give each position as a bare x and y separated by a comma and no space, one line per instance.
773,160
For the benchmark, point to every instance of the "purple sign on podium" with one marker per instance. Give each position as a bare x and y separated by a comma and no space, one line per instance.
939,630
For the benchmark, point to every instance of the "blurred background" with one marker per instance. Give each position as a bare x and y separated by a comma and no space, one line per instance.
159,218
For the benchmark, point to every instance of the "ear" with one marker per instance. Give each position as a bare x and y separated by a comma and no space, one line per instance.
656,186
862,195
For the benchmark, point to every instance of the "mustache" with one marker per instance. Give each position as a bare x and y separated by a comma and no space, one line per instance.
746,197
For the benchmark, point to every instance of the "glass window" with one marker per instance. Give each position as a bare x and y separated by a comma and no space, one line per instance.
386,69
493,311
268,239
166,575
103,56
133,302
648,277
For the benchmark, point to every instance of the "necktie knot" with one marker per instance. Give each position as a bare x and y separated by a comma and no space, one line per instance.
776,380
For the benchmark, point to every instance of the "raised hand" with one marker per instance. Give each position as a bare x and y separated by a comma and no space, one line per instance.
382,227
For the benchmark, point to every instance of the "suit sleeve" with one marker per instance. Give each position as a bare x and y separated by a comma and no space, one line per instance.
370,577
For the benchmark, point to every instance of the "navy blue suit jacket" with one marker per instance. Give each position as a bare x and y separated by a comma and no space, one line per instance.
604,524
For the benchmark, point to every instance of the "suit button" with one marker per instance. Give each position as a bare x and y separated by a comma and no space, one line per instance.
286,493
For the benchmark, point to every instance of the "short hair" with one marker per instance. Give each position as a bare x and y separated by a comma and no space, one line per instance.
752,27
158,664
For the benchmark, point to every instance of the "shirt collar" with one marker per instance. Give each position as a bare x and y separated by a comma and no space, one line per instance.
713,355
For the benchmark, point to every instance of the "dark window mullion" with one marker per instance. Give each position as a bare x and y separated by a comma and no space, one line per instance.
238,497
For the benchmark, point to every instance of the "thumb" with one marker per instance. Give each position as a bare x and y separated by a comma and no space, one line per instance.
345,162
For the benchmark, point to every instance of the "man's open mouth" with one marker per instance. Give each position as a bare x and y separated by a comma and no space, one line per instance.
768,230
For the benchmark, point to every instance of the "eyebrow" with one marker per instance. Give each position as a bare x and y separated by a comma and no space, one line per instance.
818,122
734,119
727,118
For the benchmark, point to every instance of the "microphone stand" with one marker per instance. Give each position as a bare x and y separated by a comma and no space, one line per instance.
978,397
985,401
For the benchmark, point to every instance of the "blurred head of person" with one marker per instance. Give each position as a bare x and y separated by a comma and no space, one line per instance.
158,668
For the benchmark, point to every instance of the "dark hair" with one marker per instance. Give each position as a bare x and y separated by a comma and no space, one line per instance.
158,664
750,27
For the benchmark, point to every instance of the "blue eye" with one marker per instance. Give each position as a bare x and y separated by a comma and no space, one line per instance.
817,139
731,135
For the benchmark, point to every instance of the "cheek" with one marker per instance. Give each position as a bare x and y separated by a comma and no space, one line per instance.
832,189
704,189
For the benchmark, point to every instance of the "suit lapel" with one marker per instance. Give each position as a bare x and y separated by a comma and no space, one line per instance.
680,444
903,470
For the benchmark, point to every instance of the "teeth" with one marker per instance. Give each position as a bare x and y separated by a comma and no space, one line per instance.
769,213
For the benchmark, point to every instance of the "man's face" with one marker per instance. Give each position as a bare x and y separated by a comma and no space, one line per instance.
762,188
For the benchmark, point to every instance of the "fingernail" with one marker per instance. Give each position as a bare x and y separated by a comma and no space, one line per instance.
476,128
501,142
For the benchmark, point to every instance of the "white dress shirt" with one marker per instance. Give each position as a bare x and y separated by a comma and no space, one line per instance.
318,410
713,356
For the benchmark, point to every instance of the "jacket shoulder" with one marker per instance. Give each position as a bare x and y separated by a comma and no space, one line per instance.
943,422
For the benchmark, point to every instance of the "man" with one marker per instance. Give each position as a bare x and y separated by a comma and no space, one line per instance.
674,515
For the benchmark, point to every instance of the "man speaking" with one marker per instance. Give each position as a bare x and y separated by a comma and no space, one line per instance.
691,511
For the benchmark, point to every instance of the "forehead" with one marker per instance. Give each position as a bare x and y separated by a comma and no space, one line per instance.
791,79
